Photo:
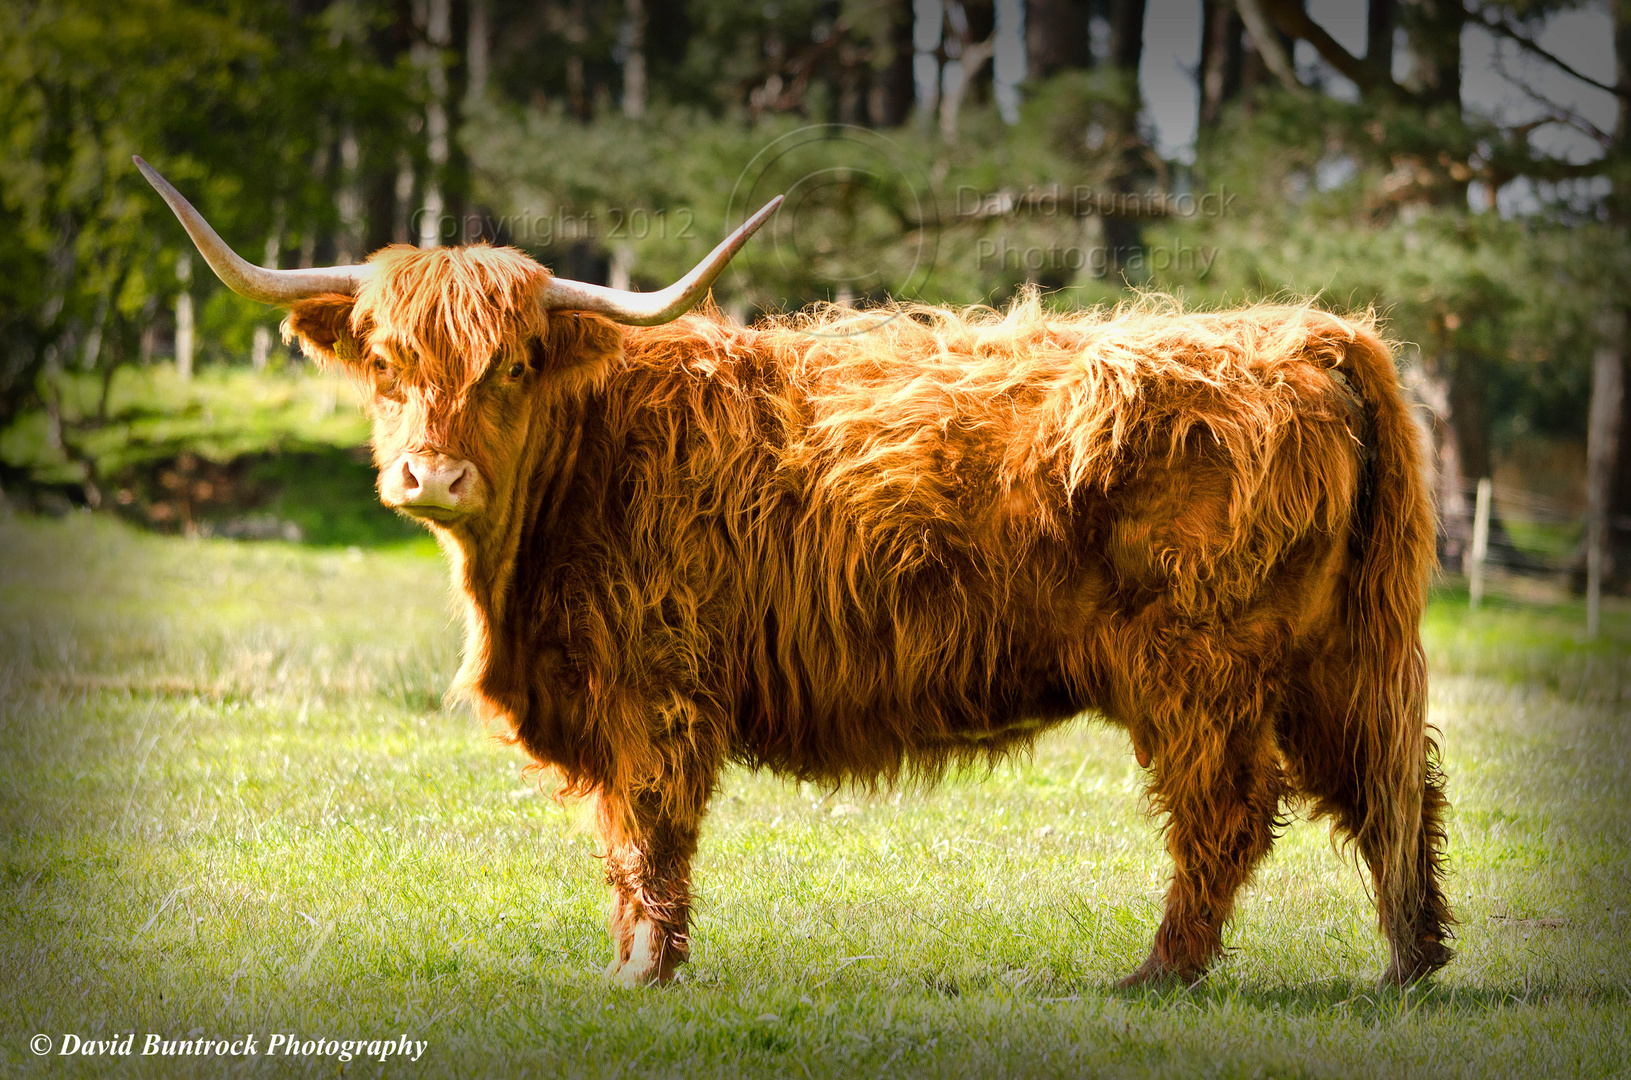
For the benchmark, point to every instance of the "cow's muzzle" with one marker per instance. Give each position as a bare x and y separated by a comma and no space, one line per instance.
435,487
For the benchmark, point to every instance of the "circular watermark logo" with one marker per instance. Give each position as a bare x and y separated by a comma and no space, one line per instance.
859,225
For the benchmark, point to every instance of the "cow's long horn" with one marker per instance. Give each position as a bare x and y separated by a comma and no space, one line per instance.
653,308
242,276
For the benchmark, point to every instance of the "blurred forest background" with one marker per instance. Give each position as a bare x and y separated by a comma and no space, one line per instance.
933,149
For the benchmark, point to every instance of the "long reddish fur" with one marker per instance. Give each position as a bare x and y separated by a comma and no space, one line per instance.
856,546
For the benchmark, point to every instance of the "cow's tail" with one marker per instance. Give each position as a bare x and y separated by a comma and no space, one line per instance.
1400,827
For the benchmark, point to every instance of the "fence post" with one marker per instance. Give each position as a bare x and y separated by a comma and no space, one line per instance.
1480,543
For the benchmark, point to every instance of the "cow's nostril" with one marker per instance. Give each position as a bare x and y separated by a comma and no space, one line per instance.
437,486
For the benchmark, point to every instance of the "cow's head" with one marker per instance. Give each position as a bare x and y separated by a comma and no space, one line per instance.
459,347
458,360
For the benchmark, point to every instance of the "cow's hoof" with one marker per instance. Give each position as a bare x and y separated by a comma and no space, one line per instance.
636,972
652,959
1402,972
633,977
1155,974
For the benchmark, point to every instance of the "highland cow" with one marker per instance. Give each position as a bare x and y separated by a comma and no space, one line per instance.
848,546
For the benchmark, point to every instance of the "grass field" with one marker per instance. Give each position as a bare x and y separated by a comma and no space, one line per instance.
231,804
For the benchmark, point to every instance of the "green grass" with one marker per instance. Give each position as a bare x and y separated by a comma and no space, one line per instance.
293,441
219,414
330,495
231,804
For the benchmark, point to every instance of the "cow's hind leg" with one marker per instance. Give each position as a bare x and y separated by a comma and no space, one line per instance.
1384,791
1415,914
1218,779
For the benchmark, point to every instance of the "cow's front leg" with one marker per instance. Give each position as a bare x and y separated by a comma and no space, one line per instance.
649,845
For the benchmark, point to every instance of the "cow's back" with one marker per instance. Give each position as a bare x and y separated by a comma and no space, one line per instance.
950,526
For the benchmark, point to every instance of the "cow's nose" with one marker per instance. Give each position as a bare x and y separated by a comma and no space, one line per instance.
433,480
433,485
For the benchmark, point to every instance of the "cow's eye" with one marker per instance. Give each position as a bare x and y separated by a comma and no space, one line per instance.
517,370
384,376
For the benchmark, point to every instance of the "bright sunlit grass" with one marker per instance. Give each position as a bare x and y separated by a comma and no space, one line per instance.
232,804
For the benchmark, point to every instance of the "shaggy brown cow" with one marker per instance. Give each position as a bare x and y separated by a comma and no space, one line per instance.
842,550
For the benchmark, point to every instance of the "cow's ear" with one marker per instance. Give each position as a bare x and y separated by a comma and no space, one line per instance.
580,344
323,325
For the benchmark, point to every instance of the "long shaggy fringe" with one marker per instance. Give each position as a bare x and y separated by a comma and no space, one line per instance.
860,546
859,549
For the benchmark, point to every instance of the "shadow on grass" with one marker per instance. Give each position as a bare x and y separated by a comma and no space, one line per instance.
1361,1000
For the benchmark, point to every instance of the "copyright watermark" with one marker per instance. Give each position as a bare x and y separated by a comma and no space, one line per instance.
1097,260
860,218
531,229
282,1044
1056,200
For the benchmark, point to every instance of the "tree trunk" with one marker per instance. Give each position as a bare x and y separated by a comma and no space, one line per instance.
1470,427
1123,233
889,102
348,199
575,32
620,270
1434,32
969,44
260,348
319,173
428,53
477,52
969,63
1380,18
402,202
93,340
1618,520
1434,28
1127,34
1008,64
928,30
1221,57
849,83
1449,483
1057,36
1612,486
1603,436
1469,413
632,44
1272,48
184,316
